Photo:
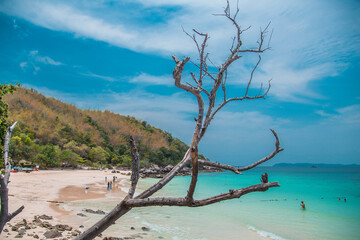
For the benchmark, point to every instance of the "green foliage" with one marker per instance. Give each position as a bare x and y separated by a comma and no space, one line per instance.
81,149
48,156
98,154
4,124
52,134
69,158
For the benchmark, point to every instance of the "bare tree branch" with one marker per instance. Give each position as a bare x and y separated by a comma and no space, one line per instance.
4,181
6,152
203,121
195,172
238,169
12,215
252,74
121,209
135,164
271,155
219,165
171,201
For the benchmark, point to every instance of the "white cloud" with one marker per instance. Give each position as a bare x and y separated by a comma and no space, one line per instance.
34,59
23,65
34,54
93,75
153,80
310,41
292,84
323,113
349,115
47,60
35,69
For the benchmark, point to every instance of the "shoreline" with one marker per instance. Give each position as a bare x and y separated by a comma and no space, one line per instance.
50,193
61,202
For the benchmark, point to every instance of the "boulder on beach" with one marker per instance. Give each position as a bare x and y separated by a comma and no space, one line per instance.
52,234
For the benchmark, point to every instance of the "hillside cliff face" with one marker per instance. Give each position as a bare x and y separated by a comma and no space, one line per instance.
52,134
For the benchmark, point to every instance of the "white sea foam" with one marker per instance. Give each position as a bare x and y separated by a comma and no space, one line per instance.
177,233
265,234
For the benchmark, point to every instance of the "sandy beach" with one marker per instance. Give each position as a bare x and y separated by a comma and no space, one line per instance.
50,192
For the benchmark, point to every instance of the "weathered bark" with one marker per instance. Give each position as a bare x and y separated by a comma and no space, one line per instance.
203,120
105,222
195,172
135,167
169,201
121,209
4,180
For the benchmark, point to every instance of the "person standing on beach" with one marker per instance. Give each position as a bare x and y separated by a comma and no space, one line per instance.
108,187
302,205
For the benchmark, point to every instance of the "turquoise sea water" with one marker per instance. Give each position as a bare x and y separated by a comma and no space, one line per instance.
274,214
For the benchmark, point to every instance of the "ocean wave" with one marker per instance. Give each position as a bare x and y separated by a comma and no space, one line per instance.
265,234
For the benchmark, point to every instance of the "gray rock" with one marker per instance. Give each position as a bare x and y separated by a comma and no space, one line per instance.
95,212
99,211
52,234
62,227
21,231
46,225
145,229
45,217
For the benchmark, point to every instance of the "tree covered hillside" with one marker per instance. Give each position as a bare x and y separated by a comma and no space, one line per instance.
51,133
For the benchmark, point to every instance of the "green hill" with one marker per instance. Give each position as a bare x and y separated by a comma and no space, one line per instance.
51,133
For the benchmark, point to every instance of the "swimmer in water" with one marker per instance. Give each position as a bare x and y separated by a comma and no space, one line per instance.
302,205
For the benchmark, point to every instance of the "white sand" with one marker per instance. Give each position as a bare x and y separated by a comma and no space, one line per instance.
47,192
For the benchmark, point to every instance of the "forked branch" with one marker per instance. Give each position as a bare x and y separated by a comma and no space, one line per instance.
238,169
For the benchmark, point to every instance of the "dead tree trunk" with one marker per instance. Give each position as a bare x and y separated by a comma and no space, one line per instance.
4,180
203,120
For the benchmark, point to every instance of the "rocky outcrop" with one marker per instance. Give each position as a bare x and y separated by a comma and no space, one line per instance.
24,228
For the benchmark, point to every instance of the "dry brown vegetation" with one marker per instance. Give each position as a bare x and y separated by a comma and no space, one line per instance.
47,121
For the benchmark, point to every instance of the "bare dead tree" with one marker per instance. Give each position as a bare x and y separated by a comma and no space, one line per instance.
203,120
4,181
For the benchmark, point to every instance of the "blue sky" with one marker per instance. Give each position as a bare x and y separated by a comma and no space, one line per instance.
116,55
